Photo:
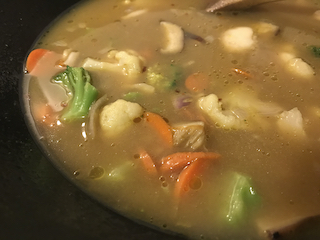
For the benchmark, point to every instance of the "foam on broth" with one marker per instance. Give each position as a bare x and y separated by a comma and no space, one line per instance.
284,167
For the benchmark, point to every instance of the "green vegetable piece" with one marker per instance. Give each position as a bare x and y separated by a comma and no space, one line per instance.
164,77
132,96
76,82
243,198
315,50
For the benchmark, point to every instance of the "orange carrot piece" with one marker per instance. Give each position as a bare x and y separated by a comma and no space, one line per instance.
187,177
182,159
179,160
34,58
239,71
148,163
161,126
197,82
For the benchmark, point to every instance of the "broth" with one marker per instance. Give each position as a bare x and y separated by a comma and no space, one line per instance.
257,107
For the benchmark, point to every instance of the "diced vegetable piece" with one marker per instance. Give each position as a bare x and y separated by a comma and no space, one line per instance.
76,82
174,38
179,160
189,178
267,29
132,96
148,163
127,62
164,77
197,82
315,50
120,173
161,126
190,135
238,39
70,58
135,13
291,122
143,87
118,116
213,108
34,57
182,101
297,65
243,197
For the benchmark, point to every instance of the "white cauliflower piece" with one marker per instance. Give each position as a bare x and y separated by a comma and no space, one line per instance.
127,62
118,116
174,38
267,29
213,108
291,122
297,65
238,39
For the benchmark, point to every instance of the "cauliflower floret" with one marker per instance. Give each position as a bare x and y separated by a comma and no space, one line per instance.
129,62
291,122
213,107
174,38
297,65
117,116
238,39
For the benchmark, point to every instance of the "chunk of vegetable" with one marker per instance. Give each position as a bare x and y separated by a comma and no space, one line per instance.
164,77
118,116
127,62
291,122
174,38
266,29
148,163
315,50
213,108
190,135
297,65
76,82
197,82
242,198
179,160
161,126
238,39
189,178
34,57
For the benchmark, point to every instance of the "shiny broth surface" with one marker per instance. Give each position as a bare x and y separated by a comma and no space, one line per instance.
238,93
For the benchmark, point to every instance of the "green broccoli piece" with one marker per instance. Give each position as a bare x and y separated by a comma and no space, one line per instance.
76,82
132,96
243,197
164,77
315,50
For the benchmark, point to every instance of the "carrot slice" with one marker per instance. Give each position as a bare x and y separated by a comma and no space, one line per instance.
161,126
181,159
189,178
148,163
34,58
197,82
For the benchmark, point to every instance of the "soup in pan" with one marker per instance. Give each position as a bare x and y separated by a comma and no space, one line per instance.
202,124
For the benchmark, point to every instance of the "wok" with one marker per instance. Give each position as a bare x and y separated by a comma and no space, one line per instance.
36,201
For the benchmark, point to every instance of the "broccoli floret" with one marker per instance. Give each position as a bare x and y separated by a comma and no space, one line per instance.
164,77
315,50
76,82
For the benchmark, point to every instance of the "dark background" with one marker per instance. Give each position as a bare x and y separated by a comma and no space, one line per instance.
36,202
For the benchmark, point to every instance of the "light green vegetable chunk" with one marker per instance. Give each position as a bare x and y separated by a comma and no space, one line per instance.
243,198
